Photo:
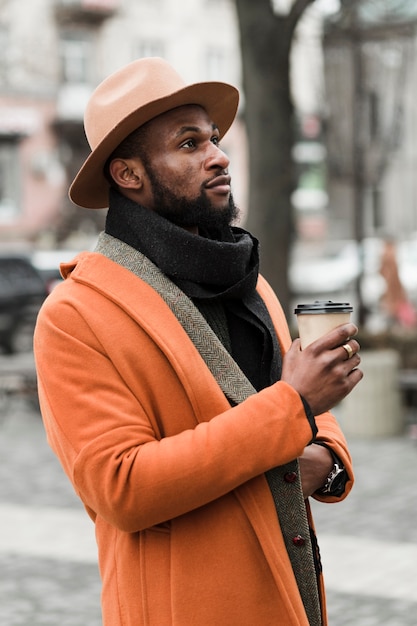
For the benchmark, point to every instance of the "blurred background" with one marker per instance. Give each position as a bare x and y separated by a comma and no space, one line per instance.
323,159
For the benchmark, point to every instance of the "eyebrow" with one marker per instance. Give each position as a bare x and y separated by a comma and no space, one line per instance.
193,129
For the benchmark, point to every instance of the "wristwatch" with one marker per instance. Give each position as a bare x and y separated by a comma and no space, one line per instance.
335,481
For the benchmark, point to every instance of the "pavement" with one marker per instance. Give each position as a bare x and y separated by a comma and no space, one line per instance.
48,559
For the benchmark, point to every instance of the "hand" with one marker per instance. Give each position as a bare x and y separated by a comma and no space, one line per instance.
315,465
323,373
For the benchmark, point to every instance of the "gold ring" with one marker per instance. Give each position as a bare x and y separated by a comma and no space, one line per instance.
349,350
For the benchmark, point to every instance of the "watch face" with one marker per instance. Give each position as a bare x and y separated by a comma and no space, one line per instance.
336,481
337,484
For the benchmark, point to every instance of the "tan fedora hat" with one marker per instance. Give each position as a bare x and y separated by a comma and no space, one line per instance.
131,97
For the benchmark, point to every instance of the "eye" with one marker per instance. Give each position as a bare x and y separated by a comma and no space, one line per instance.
216,140
190,143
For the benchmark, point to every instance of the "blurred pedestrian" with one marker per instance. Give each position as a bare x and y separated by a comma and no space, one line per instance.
192,429
395,302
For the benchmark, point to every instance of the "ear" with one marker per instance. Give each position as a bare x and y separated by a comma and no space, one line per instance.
127,173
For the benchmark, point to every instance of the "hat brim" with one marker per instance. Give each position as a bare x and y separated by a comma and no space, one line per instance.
90,188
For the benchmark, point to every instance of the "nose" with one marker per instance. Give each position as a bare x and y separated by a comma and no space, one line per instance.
216,159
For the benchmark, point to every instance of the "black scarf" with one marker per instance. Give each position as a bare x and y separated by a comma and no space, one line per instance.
218,271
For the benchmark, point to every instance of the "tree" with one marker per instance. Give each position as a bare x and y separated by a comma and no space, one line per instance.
266,39
361,151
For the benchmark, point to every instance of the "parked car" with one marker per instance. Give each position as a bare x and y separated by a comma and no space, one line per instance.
47,262
22,291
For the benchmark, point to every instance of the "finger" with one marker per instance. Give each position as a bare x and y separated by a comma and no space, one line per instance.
346,330
354,362
350,349
355,376
297,343
336,337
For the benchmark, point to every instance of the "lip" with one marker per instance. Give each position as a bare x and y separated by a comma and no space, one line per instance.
220,183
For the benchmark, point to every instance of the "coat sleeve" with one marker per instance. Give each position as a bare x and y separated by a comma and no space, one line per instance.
144,435
329,431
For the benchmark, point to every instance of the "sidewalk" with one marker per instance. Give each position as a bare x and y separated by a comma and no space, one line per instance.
48,554
48,562
369,541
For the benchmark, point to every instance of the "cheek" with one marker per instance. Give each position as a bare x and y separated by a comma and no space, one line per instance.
181,173
185,181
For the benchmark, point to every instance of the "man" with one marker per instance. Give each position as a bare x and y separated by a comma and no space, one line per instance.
192,429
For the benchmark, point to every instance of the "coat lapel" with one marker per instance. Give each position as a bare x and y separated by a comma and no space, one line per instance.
228,374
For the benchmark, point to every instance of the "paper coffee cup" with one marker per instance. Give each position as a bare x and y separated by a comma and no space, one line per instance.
318,318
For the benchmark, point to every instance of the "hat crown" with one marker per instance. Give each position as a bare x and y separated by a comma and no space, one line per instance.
139,83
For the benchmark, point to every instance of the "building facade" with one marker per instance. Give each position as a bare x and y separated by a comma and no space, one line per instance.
56,52
371,74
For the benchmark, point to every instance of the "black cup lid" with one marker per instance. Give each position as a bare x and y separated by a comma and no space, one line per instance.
323,306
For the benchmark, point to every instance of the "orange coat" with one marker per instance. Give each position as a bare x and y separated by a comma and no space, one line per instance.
172,476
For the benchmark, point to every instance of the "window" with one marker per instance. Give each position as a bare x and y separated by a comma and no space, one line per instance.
9,196
76,48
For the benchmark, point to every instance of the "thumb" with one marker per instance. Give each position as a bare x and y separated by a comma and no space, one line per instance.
296,344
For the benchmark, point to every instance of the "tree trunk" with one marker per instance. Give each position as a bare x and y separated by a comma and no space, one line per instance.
269,117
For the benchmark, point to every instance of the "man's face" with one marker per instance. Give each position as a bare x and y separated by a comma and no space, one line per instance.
186,172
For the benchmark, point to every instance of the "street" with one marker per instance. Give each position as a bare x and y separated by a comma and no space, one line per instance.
48,556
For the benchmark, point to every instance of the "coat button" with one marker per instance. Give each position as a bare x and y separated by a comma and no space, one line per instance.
290,477
298,541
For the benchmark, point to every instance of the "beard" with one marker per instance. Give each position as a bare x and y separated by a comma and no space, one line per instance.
187,213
